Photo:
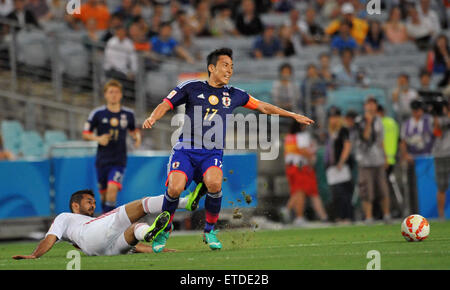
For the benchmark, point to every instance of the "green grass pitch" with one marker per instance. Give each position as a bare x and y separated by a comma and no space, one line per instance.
343,247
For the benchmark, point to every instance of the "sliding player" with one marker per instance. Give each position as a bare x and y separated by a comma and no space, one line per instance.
207,104
114,233
111,122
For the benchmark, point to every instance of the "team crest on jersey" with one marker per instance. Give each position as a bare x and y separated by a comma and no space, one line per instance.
226,101
123,121
114,122
175,165
213,100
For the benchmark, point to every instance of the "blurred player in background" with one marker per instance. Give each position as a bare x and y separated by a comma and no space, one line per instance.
207,105
111,121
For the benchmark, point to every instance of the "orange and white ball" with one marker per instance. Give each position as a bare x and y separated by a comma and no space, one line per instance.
415,228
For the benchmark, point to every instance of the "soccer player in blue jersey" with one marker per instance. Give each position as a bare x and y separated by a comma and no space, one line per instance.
112,122
193,159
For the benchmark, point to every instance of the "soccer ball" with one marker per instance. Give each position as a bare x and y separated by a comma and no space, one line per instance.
415,228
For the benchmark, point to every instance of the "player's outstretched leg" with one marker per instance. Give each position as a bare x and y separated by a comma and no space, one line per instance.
193,198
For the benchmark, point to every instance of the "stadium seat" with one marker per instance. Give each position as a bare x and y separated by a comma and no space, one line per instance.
33,48
52,137
11,135
32,144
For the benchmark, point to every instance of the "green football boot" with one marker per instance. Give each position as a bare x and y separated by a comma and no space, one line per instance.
160,240
195,196
160,223
212,241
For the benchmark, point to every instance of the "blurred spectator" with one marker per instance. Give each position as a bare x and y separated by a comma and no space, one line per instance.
57,10
374,39
391,136
94,9
5,154
311,31
338,163
179,22
416,139
287,41
285,92
347,72
426,13
222,24
441,153
92,36
115,21
438,58
155,25
124,10
359,27
283,6
325,69
6,7
137,35
188,42
416,133
22,15
248,21
350,124
164,44
39,8
267,45
419,29
372,160
314,97
343,40
201,20
394,28
299,156
402,96
425,83
120,60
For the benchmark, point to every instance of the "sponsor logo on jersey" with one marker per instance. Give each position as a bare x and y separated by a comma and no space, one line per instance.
171,94
201,96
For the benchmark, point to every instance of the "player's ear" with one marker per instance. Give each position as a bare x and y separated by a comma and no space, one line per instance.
75,207
211,68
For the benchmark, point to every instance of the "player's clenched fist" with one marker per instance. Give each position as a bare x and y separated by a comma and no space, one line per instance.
104,139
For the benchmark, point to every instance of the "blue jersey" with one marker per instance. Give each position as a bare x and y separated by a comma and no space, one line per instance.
116,125
206,113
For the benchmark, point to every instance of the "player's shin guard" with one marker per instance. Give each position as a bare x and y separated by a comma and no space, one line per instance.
213,203
170,204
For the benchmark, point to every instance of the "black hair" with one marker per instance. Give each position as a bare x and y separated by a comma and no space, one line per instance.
78,196
213,57
285,65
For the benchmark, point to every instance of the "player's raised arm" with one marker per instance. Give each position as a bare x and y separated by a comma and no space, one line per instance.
157,114
43,247
270,109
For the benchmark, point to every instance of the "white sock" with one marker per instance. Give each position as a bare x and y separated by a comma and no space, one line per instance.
140,230
153,204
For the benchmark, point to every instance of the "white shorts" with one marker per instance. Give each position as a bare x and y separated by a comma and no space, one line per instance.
104,235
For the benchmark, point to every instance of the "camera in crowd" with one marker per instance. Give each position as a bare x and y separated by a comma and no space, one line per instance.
433,102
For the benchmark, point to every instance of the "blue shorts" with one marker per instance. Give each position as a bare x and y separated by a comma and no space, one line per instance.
193,163
110,174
